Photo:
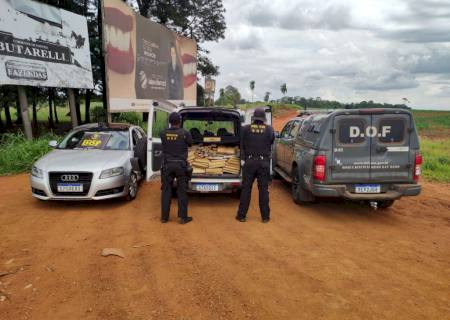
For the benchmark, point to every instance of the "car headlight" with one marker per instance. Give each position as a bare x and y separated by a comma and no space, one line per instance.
36,172
113,172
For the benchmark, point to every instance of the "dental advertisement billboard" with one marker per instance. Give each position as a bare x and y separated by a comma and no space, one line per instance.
145,61
41,45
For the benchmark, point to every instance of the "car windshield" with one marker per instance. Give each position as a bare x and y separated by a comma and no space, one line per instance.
94,139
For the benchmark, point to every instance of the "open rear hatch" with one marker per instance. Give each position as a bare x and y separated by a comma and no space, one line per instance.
216,136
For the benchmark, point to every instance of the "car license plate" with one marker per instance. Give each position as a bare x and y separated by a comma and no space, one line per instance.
367,188
206,187
70,187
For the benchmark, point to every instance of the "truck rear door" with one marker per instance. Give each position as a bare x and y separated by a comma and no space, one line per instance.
390,156
157,120
351,149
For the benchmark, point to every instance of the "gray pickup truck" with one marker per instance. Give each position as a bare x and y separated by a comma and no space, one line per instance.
367,155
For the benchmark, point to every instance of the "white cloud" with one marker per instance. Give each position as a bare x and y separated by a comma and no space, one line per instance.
347,50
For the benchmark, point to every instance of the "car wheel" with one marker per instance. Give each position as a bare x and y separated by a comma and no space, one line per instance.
385,204
300,195
132,187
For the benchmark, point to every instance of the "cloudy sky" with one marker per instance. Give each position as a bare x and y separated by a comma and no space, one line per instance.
347,50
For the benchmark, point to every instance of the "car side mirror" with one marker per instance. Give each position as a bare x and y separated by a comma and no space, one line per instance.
277,134
53,143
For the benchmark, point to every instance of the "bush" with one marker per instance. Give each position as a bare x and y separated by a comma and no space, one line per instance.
98,114
17,154
129,117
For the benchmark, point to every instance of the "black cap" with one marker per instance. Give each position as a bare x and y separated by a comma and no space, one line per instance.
174,118
259,114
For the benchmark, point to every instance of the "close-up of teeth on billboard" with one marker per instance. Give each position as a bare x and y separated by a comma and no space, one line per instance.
40,45
145,61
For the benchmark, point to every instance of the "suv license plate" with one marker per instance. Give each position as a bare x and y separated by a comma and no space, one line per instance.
70,187
206,187
367,188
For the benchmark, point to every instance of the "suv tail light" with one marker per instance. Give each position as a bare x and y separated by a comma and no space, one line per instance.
319,168
417,167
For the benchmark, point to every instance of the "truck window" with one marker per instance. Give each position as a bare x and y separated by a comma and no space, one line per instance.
286,130
391,130
294,129
210,128
310,131
351,131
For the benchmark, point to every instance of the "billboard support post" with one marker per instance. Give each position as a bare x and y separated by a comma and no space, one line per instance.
23,101
72,107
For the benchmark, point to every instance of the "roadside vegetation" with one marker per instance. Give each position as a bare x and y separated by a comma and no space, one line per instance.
436,159
17,154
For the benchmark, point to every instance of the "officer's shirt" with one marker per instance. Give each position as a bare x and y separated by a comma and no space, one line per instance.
175,143
257,140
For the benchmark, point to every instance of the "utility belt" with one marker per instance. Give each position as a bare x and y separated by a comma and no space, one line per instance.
184,163
257,157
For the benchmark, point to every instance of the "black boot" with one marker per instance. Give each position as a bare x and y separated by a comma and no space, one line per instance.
240,218
185,220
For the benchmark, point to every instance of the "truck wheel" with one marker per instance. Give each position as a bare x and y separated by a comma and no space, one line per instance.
385,204
299,194
132,187
140,152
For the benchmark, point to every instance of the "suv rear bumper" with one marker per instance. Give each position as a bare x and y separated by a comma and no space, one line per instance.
396,191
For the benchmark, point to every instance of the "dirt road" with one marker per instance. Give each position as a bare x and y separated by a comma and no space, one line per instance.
325,261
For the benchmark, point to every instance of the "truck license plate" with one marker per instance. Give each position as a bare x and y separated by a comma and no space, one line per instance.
367,188
206,187
70,187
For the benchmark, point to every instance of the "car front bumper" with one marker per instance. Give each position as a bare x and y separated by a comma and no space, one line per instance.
100,189
389,192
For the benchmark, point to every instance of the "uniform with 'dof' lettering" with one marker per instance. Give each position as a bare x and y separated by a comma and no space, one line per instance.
256,148
175,143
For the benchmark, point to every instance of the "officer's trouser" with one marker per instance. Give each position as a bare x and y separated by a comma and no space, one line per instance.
170,172
260,170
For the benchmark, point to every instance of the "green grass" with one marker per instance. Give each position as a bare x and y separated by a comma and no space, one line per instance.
427,120
436,159
18,154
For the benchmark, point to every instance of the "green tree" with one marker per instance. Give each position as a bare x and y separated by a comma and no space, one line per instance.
283,89
232,96
252,87
202,20
221,100
267,96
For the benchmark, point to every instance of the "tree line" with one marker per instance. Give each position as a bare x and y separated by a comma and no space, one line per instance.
230,95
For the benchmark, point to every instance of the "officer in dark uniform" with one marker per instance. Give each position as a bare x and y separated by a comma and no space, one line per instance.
256,146
175,142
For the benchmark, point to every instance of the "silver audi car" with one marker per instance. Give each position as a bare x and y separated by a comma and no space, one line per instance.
93,162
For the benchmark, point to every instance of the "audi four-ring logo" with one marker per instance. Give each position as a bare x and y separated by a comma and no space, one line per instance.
69,177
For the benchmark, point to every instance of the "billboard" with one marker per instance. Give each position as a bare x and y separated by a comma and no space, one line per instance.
145,61
210,85
41,45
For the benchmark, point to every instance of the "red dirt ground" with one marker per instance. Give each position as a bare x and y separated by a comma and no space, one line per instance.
330,260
